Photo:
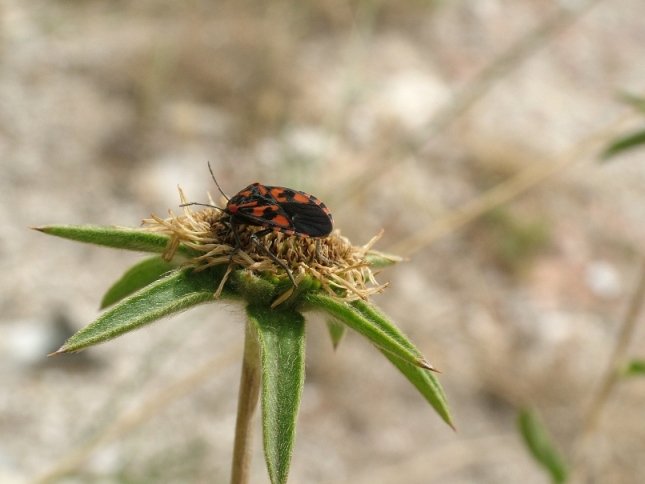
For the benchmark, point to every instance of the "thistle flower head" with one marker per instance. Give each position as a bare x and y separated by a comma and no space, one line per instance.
339,268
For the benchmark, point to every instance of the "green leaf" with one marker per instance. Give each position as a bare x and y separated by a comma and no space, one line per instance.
634,368
378,319
336,331
380,332
542,448
137,277
427,384
281,335
423,380
371,323
177,292
622,144
116,237
380,259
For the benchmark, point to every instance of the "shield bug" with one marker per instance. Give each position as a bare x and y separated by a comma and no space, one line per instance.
276,209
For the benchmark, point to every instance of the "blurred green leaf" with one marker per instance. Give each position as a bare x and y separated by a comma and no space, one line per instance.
623,144
541,446
514,241
137,277
281,335
632,99
172,294
634,368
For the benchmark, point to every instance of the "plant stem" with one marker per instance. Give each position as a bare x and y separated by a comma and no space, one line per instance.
611,377
246,406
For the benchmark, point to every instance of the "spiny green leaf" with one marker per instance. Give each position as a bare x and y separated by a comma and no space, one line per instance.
379,319
282,342
371,323
426,383
177,292
542,448
623,144
423,380
380,332
336,331
634,368
115,237
137,277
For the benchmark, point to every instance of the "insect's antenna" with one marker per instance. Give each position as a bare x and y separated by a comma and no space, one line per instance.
218,187
189,204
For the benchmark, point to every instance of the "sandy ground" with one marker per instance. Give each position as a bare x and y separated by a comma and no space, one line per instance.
106,107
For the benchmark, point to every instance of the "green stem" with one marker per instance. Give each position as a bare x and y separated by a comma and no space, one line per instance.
246,406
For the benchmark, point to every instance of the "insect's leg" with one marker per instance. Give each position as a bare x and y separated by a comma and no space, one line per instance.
262,233
238,242
322,257
254,239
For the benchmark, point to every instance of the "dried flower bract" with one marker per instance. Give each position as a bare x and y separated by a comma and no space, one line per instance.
345,274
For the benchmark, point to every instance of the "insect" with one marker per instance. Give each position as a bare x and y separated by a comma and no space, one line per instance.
277,209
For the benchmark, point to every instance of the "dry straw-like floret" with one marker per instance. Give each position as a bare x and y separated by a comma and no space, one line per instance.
343,270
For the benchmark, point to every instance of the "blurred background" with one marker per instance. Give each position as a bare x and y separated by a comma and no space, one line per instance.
468,130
